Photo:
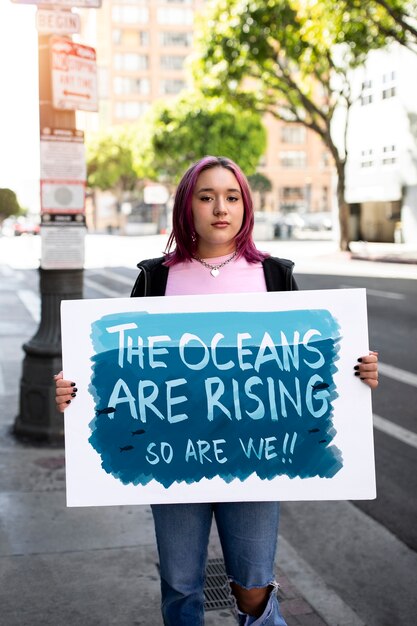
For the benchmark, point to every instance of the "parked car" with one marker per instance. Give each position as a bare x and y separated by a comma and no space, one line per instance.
25,226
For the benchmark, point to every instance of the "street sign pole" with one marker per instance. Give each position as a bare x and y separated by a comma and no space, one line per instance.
38,417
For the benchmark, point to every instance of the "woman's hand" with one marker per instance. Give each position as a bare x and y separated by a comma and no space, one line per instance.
367,369
65,392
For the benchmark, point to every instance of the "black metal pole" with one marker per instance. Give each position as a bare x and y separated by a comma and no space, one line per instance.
38,417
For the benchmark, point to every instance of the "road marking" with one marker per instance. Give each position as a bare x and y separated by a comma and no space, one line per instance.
114,276
32,302
391,295
313,588
104,290
397,374
398,432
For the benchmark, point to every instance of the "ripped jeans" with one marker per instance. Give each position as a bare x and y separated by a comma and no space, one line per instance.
248,534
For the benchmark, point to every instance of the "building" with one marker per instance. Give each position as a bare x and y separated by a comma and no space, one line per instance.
381,174
142,47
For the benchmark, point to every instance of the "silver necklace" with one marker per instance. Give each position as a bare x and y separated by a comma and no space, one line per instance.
215,269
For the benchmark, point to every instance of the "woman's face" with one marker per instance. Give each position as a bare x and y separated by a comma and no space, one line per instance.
218,210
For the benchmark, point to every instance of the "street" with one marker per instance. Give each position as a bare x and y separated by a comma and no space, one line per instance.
362,553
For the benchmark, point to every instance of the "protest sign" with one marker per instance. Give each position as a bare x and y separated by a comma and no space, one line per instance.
217,398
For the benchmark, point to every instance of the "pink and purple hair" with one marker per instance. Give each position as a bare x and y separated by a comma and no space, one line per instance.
183,235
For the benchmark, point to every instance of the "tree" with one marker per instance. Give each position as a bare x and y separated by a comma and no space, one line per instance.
9,204
294,59
261,183
110,161
190,127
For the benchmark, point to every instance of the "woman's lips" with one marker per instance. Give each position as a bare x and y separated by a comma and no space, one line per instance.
220,224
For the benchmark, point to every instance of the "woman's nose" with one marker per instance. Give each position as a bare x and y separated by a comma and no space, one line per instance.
220,207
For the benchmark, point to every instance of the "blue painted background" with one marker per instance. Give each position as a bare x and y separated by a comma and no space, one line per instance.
258,431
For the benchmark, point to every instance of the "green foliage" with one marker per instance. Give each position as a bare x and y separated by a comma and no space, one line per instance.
259,182
293,58
190,127
9,204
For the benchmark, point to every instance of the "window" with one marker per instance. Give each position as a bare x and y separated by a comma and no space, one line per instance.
168,38
173,62
388,93
389,77
124,85
174,15
130,37
367,158
126,14
293,134
293,159
292,193
171,86
366,95
389,155
131,62
130,110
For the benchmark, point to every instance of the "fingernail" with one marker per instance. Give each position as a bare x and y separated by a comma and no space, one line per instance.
362,379
360,359
75,389
68,402
356,367
73,395
72,384
357,373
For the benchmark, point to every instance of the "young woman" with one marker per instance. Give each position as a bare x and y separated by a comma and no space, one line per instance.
213,252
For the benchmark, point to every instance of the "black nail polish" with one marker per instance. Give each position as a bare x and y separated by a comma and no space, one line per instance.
73,395
362,379
360,359
72,384
75,389
68,402
357,373
356,367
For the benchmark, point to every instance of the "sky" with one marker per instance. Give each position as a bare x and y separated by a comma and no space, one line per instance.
19,107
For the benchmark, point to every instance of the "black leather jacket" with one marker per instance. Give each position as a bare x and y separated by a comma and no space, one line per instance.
153,276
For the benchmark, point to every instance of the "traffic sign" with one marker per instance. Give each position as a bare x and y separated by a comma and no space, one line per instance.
49,22
74,76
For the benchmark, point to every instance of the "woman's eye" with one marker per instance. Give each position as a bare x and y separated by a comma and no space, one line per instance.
232,199
205,198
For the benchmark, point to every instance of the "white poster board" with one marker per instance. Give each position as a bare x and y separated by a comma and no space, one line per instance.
217,398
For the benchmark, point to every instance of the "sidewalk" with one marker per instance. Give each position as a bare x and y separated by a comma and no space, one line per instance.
86,567
384,252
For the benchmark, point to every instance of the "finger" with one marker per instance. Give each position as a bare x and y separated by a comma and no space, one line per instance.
370,358
371,382
64,384
367,367
66,391
59,375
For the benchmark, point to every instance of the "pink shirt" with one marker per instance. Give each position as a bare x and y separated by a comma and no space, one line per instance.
193,278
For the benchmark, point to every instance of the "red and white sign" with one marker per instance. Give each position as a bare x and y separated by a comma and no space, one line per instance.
63,171
57,22
74,75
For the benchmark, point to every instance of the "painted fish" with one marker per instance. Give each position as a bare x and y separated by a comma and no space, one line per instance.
322,440
138,432
320,386
314,430
125,448
106,411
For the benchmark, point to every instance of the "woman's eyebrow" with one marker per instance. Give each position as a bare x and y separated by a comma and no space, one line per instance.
213,190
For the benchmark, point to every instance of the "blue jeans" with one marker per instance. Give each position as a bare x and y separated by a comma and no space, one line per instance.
248,534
